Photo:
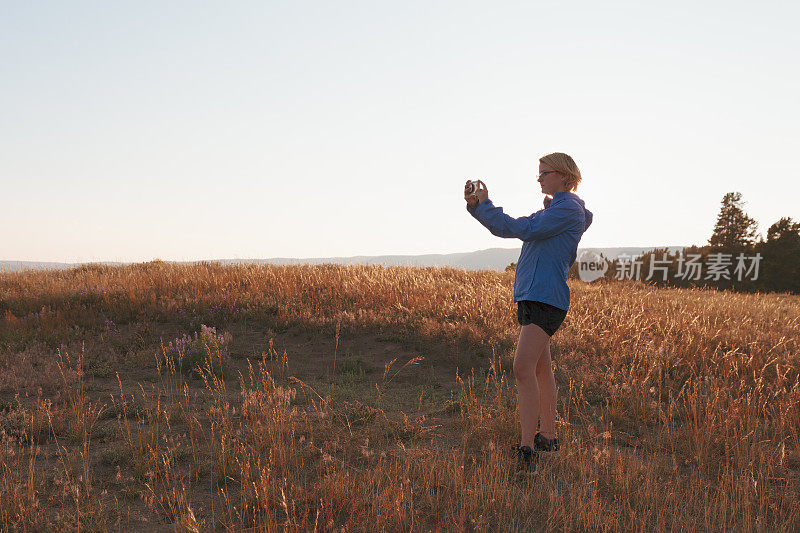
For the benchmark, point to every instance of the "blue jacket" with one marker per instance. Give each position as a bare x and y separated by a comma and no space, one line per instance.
550,243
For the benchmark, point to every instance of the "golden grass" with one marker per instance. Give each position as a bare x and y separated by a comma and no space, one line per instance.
678,408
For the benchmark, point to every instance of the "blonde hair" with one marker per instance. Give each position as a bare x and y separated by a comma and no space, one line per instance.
565,165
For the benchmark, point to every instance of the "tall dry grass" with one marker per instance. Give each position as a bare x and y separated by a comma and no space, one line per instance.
678,408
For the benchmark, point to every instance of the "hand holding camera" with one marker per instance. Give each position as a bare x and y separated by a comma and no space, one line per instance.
475,192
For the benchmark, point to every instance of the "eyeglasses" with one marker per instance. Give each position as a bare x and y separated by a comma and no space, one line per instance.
540,174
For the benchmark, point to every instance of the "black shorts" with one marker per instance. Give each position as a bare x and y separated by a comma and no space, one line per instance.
546,316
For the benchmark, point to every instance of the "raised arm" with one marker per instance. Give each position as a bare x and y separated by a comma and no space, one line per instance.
541,225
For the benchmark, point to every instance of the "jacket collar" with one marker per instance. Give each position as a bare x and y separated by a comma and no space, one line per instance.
558,196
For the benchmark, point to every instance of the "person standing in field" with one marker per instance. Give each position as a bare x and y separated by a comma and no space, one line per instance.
550,242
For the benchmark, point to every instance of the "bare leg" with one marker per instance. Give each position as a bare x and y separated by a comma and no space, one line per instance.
547,394
531,345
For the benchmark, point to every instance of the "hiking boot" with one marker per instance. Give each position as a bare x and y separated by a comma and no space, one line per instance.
525,461
543,444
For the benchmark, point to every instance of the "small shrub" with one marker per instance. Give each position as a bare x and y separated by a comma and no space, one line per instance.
188,353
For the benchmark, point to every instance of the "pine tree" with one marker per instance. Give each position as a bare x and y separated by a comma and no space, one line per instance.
781,257
785,231
734,230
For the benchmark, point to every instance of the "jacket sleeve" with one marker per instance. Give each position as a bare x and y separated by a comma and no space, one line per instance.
543,224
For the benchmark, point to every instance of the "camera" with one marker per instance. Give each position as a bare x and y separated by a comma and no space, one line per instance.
473,186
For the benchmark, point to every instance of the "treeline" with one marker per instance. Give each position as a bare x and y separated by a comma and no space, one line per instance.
735,257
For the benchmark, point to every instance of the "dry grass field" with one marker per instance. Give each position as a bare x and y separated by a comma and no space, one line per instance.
158,397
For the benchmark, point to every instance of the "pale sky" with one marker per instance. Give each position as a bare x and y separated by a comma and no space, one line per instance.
184,130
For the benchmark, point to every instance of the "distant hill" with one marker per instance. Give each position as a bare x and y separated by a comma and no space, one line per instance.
491,259
15,266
